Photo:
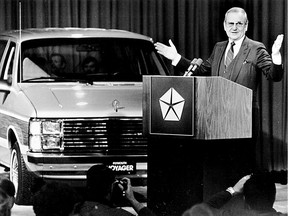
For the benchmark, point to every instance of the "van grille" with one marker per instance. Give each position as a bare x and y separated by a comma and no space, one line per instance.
108,136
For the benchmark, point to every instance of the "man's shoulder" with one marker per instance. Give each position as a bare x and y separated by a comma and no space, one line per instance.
246,41
244,212
252,43
221,43
272,212
96,208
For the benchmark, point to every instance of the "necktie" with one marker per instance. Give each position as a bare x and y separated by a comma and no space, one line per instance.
230,54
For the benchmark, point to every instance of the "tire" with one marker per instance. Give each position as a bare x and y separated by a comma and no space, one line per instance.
20,176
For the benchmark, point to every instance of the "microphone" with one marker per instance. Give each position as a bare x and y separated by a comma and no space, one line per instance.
196,65
190,67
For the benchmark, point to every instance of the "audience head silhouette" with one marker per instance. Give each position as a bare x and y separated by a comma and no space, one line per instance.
200,209
259,191
99,181
54,199
7,199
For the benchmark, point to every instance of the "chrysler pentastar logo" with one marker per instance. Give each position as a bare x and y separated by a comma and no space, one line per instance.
171,104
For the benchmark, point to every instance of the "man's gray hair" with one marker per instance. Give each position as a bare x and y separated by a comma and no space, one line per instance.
235,10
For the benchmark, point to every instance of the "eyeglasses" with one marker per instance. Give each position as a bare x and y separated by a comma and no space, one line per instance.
238,24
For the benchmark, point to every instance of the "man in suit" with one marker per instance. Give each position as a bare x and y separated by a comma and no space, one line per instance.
250,57
240,60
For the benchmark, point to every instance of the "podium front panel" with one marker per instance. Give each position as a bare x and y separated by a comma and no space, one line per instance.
172,106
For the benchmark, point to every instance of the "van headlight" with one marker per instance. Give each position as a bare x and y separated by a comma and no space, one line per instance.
45,135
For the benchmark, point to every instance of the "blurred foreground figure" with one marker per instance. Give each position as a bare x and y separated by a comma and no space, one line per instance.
252,195
55,199
7,196
103,191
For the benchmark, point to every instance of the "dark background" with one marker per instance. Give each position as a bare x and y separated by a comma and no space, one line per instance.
193,25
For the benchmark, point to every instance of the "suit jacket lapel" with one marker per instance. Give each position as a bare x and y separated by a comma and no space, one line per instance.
217,59
242,56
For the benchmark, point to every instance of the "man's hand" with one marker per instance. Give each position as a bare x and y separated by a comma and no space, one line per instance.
170,52
129,191
129,194
277,44
238,187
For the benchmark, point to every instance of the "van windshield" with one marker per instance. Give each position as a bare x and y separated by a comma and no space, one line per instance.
93,59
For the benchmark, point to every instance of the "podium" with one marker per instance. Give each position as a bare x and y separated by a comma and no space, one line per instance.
196,126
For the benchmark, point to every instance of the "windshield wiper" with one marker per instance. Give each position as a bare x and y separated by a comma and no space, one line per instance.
39,78
62,79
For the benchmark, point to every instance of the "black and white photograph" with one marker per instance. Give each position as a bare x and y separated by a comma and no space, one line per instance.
143,107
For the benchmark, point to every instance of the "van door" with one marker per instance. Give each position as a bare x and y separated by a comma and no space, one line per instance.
7,53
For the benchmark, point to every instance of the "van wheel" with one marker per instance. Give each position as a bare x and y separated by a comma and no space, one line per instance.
21,178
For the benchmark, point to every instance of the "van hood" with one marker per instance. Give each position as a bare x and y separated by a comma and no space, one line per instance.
83,100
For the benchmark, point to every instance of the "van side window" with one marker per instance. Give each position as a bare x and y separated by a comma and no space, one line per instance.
8,62
2,47
3,44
